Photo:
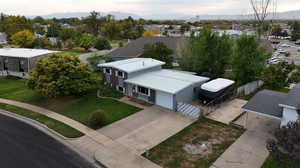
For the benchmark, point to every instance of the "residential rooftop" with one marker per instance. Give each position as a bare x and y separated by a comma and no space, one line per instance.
293,98
266,102
24,52
133,65
135,48
168,81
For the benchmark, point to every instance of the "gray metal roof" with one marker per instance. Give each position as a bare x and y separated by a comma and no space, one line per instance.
266,102
293,97
136,47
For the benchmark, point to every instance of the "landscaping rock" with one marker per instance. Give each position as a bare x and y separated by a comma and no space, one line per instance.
197,149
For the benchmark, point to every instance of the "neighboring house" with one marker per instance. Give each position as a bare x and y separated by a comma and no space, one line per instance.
281,106
19,61
135,48
3,38
144,78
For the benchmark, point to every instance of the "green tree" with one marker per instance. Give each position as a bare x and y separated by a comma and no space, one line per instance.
68,36
184,28
93,23
159,51
276,76
102,44
61,75
40,30
248,60
39,20
23,38
112,30
13,24
86,41
207,52
53,30
41,43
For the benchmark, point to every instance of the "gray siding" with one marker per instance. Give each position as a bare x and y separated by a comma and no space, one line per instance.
15,64
186,95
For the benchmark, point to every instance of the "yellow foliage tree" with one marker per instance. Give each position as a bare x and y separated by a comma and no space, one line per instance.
151,32
23,38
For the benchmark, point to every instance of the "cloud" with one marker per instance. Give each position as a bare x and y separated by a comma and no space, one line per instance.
141,7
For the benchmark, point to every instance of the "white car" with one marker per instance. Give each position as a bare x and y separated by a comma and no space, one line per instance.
285,45
275,60
281,51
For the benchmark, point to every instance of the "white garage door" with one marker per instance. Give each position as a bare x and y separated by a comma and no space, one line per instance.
164,99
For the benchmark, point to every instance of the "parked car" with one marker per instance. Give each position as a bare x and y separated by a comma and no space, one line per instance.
281,51
285,45
275,60
298,49
297,42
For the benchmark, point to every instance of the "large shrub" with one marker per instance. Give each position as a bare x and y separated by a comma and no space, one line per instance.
102,44
23,38
97,119
286,145
61,75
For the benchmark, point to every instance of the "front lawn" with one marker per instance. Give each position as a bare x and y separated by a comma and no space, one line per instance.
76,108
217,137
270,162
75,52
55,125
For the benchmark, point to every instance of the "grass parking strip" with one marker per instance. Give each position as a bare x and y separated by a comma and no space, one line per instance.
55,125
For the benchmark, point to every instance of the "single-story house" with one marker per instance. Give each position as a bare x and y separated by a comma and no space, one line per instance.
135,48
144,78
19,61
277,105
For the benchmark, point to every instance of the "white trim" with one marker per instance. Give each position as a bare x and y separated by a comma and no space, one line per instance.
262,114
144,93
286,106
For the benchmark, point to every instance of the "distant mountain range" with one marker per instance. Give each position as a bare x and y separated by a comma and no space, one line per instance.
178,16
281,15
118,15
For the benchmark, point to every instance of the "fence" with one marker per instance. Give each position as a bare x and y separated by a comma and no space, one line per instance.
249,88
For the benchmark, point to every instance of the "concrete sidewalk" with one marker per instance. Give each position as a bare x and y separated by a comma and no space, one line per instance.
228,111
108,152
249,151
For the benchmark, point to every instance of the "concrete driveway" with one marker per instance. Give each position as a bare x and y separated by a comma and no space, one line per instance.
249,151
228,111
146,129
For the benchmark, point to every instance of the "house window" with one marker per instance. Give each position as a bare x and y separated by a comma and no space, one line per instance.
143,90
107,70
120,74
121,89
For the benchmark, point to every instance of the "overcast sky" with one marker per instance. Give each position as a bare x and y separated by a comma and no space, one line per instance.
140,7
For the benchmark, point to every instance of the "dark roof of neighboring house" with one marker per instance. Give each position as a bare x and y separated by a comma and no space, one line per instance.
293,97
135,48
266,102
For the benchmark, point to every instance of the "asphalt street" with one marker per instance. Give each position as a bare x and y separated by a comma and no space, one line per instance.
23,146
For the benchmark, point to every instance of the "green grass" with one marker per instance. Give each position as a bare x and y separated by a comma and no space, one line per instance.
170,153
55,125
107,91
270,162
77,108
75,52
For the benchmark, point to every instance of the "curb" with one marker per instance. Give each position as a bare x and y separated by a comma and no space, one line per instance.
53,134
